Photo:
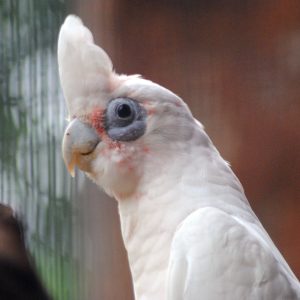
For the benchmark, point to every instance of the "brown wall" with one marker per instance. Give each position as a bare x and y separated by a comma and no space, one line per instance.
237,64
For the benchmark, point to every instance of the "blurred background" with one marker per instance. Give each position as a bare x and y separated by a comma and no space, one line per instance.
237,65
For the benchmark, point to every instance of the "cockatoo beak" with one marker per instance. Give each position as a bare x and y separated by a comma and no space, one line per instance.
79,142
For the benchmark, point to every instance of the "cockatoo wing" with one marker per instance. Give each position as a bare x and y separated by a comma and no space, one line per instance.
218,256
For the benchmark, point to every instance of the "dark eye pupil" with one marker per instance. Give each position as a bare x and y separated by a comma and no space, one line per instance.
123,111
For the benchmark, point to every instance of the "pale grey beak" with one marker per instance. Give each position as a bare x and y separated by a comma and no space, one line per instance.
79,141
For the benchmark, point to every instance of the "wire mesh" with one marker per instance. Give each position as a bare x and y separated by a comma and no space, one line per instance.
33,179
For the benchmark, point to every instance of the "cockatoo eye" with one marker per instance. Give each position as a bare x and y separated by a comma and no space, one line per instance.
124,111
125,119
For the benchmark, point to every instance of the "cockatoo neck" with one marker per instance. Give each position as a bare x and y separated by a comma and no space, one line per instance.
170,190
194,163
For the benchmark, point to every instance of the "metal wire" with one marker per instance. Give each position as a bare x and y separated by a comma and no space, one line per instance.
33,179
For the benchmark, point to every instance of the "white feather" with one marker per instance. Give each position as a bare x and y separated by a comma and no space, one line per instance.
85,69
216,255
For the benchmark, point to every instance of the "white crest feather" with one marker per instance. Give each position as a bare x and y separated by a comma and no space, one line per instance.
84,68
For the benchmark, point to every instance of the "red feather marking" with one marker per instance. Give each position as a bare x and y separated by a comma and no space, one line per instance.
149,108
151,111
146,149
96,119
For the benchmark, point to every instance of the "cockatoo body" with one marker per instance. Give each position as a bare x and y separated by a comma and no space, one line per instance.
187,226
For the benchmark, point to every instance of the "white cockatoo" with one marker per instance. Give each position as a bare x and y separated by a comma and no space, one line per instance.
187,226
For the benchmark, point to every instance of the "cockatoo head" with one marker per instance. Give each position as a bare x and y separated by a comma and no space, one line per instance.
121,128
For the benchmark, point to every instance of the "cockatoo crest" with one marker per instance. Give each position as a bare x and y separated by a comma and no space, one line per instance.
85,69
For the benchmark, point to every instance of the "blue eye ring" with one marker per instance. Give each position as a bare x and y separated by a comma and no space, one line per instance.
125,119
